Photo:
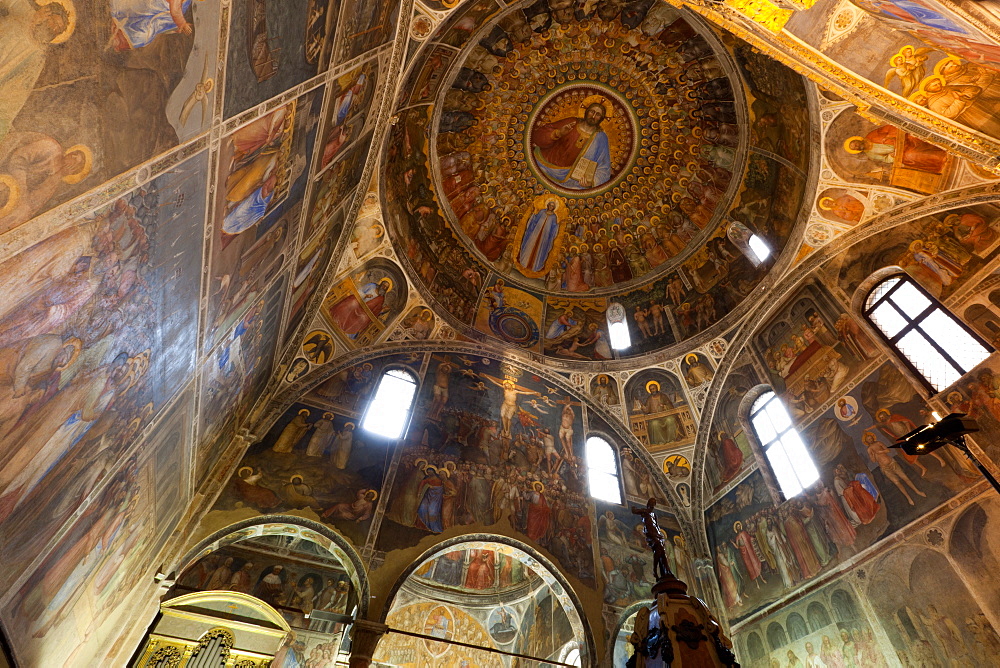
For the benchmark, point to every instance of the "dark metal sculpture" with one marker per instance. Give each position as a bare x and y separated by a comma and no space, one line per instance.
654,539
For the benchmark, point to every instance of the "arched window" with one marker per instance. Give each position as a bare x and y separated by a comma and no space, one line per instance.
571,654
785,451
389,410
602,471
937,346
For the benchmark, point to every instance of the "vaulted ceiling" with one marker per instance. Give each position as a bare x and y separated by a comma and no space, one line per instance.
210,214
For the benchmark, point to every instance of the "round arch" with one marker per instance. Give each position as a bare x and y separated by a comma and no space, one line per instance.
774,295
548,571
623,618
287,525
618,432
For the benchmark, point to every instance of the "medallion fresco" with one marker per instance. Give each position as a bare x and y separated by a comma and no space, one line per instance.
583,158
575,111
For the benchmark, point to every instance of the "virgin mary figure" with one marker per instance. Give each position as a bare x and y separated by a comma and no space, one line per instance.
539,236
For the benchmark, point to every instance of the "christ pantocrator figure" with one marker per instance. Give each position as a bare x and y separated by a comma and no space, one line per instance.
574,152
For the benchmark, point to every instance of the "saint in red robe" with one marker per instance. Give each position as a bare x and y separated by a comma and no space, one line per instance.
744,544
799,541
916,154
481,570
350,315
732,458
538,516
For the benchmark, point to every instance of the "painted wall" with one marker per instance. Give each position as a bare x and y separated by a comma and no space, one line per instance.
492,447
865,523
155,172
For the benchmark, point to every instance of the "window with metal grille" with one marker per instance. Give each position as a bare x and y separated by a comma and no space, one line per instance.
933,343
787,455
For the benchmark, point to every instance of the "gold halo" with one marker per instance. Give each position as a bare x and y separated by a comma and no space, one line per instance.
373,493
88,163
387,280
652,383
687,358
242,469
823,203
601,100
535,485
13,194
350,424
304,411
70,19
944,61
737,526
847,144
328,416
420,464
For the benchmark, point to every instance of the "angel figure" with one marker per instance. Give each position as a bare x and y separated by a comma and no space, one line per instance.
909,64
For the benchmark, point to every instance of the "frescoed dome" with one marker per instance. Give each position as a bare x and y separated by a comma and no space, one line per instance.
590,143
547,163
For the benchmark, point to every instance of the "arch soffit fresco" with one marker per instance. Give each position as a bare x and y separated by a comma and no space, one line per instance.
877,103
400,577
296,526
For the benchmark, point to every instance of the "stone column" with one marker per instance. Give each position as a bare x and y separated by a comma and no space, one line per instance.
364,638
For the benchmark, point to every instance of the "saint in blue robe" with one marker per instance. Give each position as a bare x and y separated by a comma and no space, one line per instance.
142,20
248,212
539,236
431,495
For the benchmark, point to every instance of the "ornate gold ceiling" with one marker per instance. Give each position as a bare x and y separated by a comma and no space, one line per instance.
543,167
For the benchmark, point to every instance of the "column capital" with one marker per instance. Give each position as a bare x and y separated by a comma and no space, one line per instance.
365,635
